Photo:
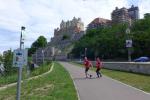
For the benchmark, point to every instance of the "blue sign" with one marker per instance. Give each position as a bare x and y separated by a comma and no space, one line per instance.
20,58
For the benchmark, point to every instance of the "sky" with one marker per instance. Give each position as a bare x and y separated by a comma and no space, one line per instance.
40,17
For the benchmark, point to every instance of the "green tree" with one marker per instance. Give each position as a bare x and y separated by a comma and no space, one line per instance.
41,42
1,58
147,15
105,42
8,59
141,36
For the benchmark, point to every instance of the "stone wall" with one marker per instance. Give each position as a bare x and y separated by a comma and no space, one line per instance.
135,67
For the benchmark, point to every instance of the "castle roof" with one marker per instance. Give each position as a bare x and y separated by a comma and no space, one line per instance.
100,20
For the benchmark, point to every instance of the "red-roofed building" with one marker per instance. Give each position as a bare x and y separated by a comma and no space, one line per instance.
99,23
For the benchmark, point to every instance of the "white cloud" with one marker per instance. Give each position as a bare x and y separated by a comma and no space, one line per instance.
144,6
41,16
12,16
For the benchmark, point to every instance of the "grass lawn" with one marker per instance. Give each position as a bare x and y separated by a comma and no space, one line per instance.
13,77
56,85
136,80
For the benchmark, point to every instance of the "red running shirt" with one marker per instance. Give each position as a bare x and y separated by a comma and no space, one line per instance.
98,64
86,63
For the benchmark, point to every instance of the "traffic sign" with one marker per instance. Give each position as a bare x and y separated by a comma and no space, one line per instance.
19,58
128,43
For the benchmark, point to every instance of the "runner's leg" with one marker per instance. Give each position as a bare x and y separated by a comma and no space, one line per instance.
97,73
86,72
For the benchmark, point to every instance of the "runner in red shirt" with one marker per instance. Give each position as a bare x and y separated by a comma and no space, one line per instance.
98,67
87,65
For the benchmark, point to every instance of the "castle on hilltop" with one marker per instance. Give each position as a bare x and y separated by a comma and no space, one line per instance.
64,36
68,32
61,44
75,26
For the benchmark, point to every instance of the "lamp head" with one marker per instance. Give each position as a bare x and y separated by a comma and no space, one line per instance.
23,28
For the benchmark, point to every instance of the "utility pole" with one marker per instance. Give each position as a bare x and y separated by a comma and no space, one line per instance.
20,68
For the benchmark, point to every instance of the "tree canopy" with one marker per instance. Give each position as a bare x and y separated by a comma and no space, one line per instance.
8,60
41,42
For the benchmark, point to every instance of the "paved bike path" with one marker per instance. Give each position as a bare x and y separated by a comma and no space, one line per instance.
101,88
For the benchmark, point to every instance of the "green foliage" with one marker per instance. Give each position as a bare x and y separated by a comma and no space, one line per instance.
8,60
40,42
147,15
1,58
109,42
103,42
141,36
7,79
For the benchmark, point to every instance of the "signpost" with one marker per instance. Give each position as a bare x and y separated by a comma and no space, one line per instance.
128,43
19,60
85,51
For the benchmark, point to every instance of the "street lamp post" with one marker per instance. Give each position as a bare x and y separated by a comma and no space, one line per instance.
85,51
43,55
36,56
80,56
128,43
20,68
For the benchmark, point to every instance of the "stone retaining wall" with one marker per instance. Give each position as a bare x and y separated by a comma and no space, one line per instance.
135,67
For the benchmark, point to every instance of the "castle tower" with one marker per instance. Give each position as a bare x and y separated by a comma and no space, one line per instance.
133,12
120,15
125,15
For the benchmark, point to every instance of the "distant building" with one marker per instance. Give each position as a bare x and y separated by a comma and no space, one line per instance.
125,15
68,32
120,15
38,56
98,23
69,28
133,13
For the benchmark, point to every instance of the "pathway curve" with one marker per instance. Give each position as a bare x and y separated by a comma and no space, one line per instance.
102,88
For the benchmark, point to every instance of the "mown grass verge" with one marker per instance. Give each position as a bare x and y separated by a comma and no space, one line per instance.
139,81
13,77
56,85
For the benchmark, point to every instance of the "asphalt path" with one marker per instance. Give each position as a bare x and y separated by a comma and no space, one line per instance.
103,88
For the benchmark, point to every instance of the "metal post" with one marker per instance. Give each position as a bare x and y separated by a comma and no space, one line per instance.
36,56
19,69
85,51
80,56
128,44
43,55
129,55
